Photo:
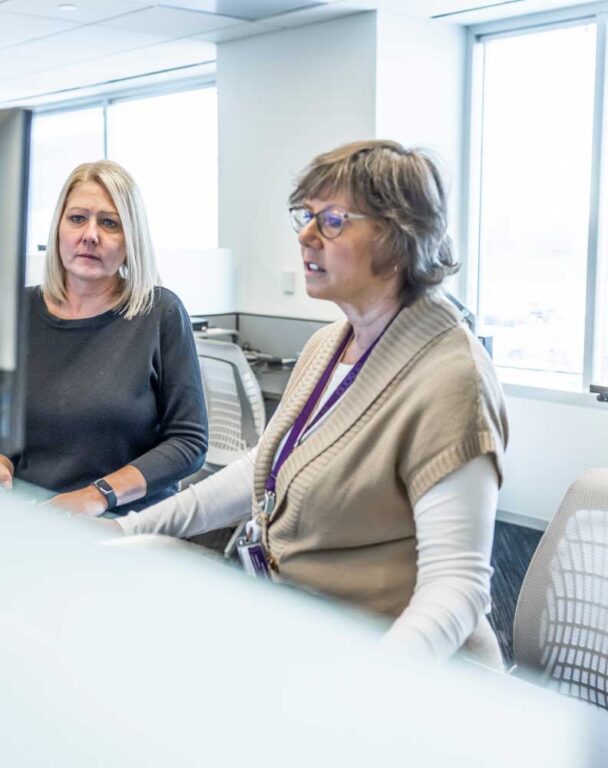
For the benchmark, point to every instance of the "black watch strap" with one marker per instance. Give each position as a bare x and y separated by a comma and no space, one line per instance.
107,491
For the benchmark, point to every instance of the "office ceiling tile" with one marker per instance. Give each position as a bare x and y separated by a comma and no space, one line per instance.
87,42
14,63
316,13
169,22
472,12
172,54
241,30
15,27
25,85
86,11
463,11
251,10
108,70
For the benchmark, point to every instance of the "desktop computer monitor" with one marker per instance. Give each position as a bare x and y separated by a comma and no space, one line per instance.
15,128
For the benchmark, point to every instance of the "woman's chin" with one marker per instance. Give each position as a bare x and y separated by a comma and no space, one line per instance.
316,290
89,274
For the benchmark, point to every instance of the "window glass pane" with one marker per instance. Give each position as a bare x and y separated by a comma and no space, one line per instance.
60,141
538,96
600,367
169,144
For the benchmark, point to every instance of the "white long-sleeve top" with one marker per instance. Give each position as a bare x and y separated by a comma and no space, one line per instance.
454,531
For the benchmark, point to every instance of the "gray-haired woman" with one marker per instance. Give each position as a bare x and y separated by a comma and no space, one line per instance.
376,480
114,405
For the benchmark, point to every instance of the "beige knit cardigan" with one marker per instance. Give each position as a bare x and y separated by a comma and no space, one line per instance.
426,402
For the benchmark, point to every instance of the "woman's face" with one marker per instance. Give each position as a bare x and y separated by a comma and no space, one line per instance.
91,238
340,269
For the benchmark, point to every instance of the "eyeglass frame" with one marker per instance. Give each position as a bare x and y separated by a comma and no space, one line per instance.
346,215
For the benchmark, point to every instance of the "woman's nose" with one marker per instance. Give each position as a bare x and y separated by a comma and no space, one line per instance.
310,236
91,234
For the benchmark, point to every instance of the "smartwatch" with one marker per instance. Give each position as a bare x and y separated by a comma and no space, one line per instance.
107,492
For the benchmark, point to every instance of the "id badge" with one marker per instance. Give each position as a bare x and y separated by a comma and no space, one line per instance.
253,558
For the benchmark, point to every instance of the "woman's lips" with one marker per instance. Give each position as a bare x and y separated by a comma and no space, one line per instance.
312,268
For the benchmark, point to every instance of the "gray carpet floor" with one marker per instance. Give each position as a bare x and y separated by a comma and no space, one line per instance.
514,546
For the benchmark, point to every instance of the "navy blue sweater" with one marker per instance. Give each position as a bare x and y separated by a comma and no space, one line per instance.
104,392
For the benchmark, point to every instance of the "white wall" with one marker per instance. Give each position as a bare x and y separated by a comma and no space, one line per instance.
287,96
550,444
283,98
419,93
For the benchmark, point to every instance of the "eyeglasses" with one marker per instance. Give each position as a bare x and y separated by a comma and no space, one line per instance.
330,221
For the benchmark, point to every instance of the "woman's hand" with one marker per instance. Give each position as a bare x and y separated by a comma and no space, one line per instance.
87,501
128,483
7,470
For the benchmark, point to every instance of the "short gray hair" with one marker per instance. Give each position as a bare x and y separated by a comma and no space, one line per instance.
139,271
403,190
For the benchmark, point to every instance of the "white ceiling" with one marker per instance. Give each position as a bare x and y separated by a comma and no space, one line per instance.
48,50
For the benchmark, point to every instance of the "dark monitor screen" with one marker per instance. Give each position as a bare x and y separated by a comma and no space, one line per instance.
15,129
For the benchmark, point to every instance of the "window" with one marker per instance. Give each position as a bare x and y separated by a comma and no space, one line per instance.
60,141
168,142
533,222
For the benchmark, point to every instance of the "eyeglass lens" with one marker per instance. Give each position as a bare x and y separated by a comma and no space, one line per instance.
330,222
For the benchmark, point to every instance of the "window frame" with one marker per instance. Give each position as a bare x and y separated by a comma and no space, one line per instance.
476,35
105,99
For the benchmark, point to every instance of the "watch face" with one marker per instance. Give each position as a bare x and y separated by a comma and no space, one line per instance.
108,492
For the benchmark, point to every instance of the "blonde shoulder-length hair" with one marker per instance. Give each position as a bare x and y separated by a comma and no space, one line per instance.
139,274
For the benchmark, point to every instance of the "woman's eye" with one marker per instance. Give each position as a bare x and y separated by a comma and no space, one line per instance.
333,220
109,223
76,218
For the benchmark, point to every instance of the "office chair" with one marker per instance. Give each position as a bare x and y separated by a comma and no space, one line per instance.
234,401
561,620
235,407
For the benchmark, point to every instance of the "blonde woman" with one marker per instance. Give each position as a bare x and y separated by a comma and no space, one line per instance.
114,405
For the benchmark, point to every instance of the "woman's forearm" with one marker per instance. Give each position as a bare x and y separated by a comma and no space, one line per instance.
219,500
454,532
128,484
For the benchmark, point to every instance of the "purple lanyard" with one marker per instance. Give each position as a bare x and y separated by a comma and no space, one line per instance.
300,423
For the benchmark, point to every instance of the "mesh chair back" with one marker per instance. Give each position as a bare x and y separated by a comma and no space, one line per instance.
561,620
235,405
